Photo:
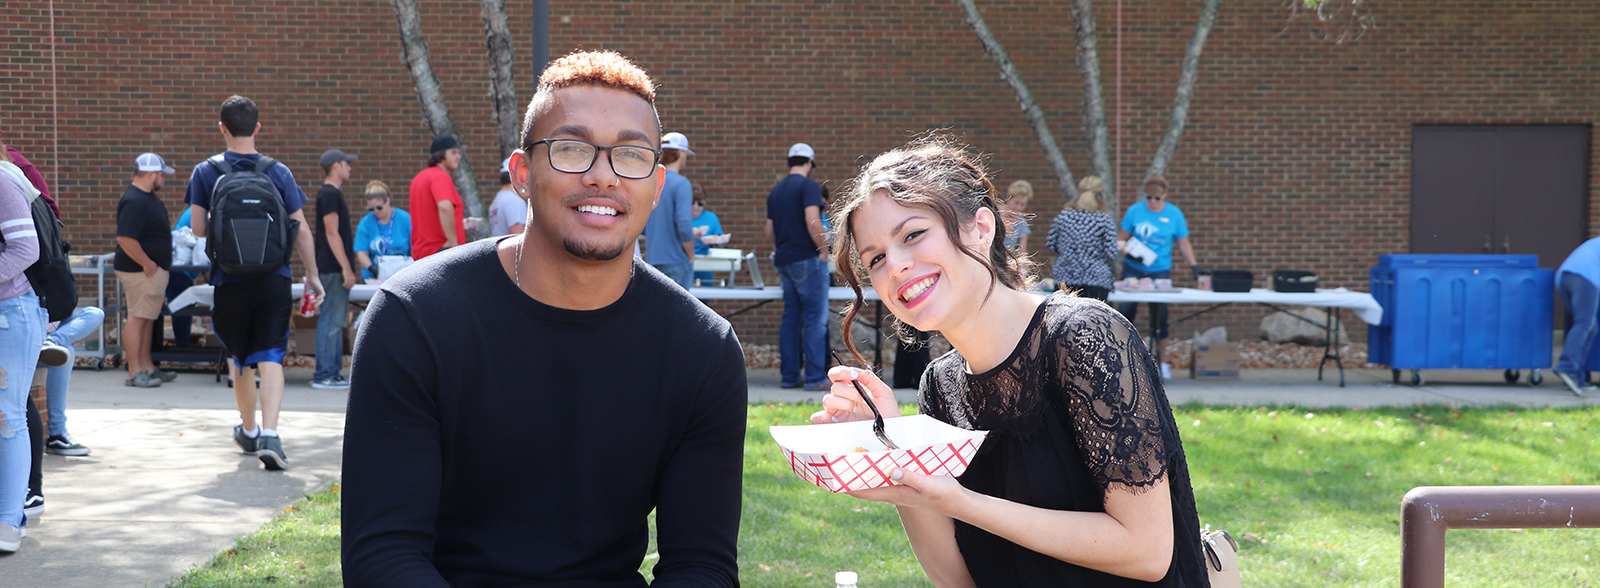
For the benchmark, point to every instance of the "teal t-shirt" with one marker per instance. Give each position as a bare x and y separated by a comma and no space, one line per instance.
1158,230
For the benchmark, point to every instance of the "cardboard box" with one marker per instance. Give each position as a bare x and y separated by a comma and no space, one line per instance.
1215,361
304,334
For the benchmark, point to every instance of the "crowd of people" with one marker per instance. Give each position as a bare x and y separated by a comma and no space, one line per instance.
250,207
1081,435
562,354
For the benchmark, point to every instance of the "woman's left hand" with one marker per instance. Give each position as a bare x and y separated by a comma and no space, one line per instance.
941,494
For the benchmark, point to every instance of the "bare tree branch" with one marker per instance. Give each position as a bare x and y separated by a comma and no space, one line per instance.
1186,78
1030,107
504,95
414,52
1094,104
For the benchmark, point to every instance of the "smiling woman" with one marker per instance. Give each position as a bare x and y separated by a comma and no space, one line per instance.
1082,480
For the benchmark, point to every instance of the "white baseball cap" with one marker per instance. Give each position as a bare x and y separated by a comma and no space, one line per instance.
149,162
802,150
505,166
676,141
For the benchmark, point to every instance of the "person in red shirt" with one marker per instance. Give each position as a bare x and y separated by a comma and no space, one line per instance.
438,221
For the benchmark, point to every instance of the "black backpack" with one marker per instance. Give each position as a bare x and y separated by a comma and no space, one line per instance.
51,276
249,231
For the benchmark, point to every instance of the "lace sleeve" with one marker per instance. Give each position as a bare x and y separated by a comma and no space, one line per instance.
1112,394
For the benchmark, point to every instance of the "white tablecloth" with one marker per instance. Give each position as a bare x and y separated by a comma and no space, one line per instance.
1364,305
204,294
771,293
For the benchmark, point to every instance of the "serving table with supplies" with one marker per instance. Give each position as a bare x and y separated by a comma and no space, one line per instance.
1364,305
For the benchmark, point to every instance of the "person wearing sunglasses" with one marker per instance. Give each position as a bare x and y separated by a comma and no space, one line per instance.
1159,224
520,406
384,233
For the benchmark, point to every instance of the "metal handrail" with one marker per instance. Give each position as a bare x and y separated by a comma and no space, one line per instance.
1428,511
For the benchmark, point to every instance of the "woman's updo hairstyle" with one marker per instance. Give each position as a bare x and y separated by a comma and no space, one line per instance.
932,172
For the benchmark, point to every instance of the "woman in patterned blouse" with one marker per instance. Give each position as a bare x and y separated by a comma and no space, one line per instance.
1082,479
1084,239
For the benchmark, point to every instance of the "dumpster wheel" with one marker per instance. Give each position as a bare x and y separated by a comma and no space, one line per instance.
1417,379
1513,375
1535,378
1395,374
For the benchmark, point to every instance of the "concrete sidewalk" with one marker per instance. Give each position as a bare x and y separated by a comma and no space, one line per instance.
165,489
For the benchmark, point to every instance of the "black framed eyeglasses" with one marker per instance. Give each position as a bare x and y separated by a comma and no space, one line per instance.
378,208
576,156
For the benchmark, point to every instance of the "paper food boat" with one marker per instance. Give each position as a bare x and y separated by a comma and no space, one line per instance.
825,454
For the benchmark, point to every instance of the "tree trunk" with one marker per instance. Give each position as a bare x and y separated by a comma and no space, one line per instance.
1030,108
414,52
1186,77
498,39
1094,104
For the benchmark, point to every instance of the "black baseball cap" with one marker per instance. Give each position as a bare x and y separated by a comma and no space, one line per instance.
444,143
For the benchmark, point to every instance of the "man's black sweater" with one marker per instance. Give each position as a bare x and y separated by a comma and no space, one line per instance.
492,440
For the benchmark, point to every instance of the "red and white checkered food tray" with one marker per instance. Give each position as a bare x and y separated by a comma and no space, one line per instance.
825,454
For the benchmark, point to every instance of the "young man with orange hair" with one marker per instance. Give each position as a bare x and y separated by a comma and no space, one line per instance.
514,415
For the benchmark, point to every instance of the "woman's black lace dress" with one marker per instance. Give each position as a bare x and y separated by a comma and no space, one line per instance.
1076,408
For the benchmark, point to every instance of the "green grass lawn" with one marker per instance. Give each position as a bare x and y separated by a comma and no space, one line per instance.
1314,496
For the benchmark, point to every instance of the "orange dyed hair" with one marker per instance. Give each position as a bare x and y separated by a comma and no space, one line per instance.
598,68
607,69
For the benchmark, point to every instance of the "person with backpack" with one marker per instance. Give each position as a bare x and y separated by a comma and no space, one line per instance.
144,255
247,205
25,319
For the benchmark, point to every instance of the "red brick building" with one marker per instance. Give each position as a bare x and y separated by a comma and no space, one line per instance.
1297,154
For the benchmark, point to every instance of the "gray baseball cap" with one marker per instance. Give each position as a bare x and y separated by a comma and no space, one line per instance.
150,162
333,156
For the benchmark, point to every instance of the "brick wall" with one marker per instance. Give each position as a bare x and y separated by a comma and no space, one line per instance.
1295,156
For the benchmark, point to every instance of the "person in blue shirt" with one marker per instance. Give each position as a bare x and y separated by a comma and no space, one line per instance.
794,224
700,217
177,282
1159,224
1577,281
669,236
385,230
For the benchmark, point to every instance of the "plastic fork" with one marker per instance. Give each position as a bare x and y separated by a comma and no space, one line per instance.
877,417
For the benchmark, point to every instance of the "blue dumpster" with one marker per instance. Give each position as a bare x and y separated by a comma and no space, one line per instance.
1462,311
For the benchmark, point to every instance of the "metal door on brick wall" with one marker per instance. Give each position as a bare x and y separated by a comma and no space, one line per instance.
1500,189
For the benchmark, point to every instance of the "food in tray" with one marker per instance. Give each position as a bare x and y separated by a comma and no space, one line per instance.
836,457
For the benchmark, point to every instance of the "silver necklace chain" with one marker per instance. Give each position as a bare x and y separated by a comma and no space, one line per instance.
518,270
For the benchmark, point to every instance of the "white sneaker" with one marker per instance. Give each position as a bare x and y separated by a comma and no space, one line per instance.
10,538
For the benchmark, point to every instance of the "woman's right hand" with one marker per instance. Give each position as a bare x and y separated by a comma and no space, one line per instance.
844,404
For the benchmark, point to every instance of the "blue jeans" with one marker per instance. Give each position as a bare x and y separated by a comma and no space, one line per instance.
1131,309
682,273
330,327
22,323
83,321
803,334
1583,309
